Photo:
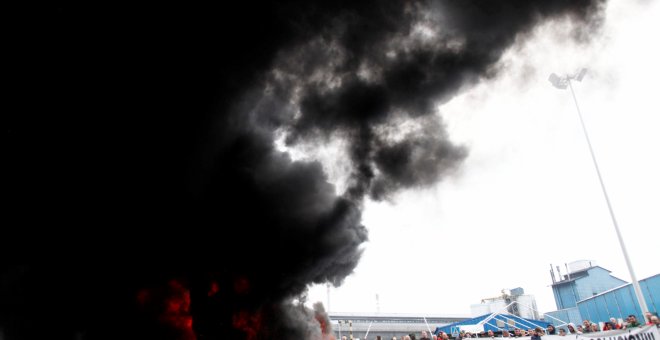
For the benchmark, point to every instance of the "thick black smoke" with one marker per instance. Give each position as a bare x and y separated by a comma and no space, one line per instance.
145,182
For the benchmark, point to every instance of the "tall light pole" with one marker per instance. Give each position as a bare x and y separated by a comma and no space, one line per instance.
562,83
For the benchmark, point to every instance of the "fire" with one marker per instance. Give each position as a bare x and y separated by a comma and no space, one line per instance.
171,306
249,323
325,331
177,310
321,317
214,288
323,323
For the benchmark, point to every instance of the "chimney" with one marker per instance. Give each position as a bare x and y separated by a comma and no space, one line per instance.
559,274
552,274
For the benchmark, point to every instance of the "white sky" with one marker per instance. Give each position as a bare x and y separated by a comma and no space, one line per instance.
528,195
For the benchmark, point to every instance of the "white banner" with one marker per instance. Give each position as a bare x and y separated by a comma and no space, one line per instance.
547,337
638,333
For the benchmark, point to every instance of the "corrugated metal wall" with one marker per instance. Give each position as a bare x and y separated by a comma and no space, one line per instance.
621,302
566,315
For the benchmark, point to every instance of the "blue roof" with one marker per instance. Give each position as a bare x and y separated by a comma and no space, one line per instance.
510,321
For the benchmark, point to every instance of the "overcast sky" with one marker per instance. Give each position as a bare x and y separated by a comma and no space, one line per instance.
527,196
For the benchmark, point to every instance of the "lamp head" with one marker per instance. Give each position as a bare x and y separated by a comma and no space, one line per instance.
558,82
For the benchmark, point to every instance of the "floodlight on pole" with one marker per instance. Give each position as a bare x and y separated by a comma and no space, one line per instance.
562,83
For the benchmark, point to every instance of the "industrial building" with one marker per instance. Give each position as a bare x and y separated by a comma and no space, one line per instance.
585,291
621,301
514,301
386,325
590,292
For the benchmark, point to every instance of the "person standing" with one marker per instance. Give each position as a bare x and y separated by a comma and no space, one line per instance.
571,328
655,320
551,330
632,322
647,318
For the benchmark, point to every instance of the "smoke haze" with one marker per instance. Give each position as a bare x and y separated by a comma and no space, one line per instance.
146,188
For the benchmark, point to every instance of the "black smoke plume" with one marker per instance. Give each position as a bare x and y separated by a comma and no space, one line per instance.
151,193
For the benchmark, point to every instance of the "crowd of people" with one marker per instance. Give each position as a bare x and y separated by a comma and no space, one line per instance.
536,333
